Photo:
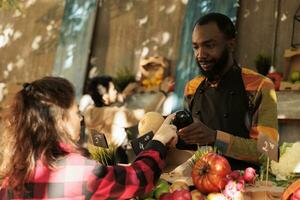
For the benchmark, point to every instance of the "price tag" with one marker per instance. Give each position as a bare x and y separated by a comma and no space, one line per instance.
268,146
99,139
140,143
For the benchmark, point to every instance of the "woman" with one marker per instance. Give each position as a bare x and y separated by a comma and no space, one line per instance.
43,161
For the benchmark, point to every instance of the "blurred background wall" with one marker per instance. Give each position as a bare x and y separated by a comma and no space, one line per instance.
127,30
265,27
29,36
123,31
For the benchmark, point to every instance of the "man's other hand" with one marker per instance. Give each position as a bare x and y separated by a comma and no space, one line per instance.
198,133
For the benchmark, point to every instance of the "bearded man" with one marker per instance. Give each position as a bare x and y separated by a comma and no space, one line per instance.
231,106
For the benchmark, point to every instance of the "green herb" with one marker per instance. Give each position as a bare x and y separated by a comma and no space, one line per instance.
105,156
124,76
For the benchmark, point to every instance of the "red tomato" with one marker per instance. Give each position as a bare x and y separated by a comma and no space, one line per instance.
209,173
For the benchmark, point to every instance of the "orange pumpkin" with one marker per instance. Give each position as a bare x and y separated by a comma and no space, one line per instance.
291,189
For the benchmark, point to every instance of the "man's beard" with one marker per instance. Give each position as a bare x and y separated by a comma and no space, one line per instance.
217,69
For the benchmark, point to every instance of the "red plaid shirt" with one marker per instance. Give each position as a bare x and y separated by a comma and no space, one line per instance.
77,177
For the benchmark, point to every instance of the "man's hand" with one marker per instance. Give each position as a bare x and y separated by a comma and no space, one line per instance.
197,133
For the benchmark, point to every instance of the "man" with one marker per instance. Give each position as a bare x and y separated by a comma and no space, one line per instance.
230,105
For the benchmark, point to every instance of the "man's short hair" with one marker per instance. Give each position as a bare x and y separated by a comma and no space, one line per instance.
223,22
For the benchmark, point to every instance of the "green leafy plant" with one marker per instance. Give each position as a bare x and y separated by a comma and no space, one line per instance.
124,76
263,64
9,4
106,156
201,151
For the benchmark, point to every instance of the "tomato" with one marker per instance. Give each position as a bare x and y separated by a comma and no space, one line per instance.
209,173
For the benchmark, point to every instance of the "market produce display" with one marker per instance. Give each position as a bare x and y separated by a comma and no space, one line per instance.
212,178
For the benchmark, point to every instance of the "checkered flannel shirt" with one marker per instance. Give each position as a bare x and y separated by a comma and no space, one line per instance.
77,177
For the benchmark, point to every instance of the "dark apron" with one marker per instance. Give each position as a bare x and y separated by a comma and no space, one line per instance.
224,108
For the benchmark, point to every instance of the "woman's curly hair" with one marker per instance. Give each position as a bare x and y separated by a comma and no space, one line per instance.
31,129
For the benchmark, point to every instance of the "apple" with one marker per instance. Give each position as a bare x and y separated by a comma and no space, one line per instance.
161,190
182,195
238,196
216,196
161,183
295,76
179,185
161,187
166,196
197,195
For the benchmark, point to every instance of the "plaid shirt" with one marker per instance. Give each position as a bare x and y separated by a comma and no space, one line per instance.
262,96
77,177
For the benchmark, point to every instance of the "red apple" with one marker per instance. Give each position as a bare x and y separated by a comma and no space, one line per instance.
166,196
182,195
197,195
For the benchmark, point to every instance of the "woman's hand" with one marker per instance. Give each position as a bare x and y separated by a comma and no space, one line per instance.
167,133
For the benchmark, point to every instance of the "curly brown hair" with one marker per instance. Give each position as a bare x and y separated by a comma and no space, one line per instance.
31,129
